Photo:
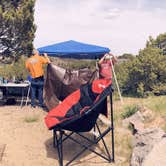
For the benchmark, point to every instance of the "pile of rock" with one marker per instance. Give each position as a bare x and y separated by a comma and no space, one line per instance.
145,148
149,144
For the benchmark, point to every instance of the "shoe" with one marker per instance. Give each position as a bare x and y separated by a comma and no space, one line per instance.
44,108
33,106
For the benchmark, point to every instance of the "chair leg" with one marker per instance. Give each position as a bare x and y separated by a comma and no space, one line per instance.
94,129
54,138
88,147
58,142
105,146
59,145
60,149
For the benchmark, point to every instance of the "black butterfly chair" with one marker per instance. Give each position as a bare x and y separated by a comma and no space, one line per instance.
84,123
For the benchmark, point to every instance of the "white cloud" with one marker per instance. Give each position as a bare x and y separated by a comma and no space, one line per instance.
104,23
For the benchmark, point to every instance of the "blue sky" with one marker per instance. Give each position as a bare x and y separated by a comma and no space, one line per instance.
122,25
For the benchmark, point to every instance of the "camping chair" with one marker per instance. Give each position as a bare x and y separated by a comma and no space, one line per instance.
84,122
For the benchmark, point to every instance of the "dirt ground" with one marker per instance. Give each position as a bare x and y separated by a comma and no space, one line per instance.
28,142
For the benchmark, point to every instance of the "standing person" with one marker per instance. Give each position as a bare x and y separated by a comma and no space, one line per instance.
34,65
105,66
105,72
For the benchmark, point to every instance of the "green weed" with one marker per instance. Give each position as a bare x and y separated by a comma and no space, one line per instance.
130,110
31,119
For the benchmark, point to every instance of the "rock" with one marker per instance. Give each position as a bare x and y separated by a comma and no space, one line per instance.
136,121
143,143
157,157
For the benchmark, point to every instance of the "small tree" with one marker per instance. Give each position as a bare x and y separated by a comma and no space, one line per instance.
17,28
147,72
159,42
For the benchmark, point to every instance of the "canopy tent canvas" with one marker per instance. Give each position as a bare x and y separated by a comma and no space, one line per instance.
74,49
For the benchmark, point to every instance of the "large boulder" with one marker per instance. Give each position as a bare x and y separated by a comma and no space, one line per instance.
143,143
136,121
157,156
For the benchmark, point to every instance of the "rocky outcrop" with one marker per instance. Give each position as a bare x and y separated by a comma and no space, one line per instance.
143,144
157,156
149,143
136,121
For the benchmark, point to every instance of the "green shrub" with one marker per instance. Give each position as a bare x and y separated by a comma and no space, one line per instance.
148,94
140,90
129,110
31,119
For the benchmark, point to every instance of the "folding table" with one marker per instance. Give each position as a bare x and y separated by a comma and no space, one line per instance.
23,87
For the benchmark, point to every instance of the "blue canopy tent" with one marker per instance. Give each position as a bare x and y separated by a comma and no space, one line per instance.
74,49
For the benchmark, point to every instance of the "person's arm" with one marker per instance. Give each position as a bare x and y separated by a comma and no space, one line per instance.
46,56
101,60
114,58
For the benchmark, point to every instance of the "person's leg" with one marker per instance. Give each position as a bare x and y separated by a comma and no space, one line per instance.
33,92
40,92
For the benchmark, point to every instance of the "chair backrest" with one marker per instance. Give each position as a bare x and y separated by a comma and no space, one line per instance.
61,82
87,119
88,97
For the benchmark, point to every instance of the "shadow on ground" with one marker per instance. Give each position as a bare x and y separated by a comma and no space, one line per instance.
71,148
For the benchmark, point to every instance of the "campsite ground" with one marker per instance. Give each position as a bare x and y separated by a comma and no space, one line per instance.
27,142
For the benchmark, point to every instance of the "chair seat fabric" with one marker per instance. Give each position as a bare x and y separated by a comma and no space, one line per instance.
77,104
